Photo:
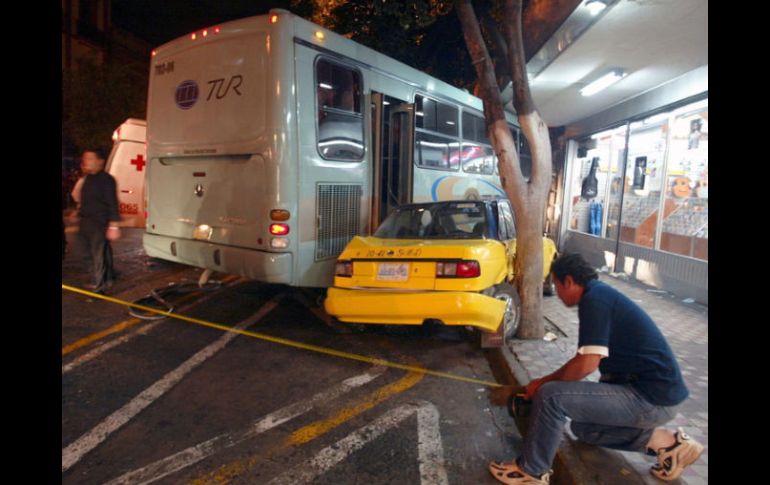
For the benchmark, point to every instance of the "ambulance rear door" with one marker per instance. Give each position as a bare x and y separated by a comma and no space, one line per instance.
127,164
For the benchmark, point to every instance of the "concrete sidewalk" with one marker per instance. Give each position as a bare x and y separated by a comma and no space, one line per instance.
685,326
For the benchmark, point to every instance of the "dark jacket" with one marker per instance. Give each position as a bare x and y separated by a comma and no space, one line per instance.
99,199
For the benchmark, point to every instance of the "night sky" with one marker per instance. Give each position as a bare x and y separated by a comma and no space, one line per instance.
159,21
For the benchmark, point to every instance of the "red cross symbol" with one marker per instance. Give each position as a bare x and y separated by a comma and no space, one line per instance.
139,161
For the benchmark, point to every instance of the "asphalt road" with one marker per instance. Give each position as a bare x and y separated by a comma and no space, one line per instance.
170,401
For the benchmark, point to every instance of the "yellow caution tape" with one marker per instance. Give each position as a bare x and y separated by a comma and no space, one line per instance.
287,342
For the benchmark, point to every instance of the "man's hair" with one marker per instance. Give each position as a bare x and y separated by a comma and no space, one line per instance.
101,153
573,265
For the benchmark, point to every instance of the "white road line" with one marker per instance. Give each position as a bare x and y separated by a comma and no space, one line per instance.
97,351
194,454
430,451
75,451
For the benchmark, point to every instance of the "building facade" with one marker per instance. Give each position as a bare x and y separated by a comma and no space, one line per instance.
635,187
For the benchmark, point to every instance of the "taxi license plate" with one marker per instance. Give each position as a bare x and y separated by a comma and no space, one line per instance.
393,272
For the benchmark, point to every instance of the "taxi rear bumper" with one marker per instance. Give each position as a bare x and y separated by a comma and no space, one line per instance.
413,308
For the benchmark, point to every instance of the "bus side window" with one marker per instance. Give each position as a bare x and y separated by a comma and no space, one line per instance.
436,136
340,120
477,154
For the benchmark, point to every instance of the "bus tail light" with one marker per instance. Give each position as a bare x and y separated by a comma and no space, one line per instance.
343,268
279,229
279,242
458,269
279,215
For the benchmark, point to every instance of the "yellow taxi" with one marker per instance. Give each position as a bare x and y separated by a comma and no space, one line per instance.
450,262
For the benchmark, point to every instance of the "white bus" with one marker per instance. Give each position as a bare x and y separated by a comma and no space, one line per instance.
273,141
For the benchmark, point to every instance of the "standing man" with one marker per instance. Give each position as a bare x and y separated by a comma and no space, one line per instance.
98,210
640,388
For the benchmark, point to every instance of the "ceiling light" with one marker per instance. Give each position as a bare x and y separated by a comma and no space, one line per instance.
603,82
595,6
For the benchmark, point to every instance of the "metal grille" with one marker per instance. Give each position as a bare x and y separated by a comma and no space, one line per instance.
338,218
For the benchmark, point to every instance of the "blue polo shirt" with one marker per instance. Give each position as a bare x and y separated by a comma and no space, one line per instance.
636,346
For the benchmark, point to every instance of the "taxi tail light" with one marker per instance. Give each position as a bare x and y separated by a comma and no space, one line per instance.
458,269
343,268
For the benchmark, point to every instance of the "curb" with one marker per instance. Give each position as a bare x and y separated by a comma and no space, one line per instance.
576,463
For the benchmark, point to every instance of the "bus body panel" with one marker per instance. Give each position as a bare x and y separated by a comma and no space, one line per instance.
209,96
216,149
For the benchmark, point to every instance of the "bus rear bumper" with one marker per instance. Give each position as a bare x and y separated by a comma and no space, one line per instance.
250,263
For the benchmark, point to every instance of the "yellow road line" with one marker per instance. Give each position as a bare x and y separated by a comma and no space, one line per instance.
289,343
314,430
225,473
119,327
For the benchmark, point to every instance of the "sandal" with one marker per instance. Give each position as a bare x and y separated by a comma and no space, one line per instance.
511,474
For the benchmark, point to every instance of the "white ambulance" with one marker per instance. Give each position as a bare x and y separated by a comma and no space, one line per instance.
127,164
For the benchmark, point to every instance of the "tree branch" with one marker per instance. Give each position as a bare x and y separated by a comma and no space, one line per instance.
532,125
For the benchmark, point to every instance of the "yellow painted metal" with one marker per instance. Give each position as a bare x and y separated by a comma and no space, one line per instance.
412,308
418,295
549,254
421,255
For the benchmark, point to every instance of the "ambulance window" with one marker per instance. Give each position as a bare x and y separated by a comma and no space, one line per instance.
340,120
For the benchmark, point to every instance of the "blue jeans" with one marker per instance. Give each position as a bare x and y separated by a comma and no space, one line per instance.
609,415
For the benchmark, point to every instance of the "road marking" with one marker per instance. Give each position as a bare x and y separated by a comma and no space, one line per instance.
76,450
96,352
314,430
231,470
119,327
194,454
430,450
121,340
291,343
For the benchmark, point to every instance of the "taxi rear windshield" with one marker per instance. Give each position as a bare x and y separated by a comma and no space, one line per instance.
453,220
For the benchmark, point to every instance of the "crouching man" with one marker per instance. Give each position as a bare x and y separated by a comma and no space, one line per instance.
640,389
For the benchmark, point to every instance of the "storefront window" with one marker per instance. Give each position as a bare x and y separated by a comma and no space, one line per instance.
644,180
659,199
685,222
596,183
615,140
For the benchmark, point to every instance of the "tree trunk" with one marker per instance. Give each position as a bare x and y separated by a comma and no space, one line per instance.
527,197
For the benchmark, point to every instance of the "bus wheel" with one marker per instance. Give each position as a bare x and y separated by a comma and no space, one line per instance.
512,313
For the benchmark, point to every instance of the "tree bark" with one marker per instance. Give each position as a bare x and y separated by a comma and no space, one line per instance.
527,197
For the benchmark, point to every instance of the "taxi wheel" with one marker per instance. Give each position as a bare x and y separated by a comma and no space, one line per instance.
549,289
512,314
